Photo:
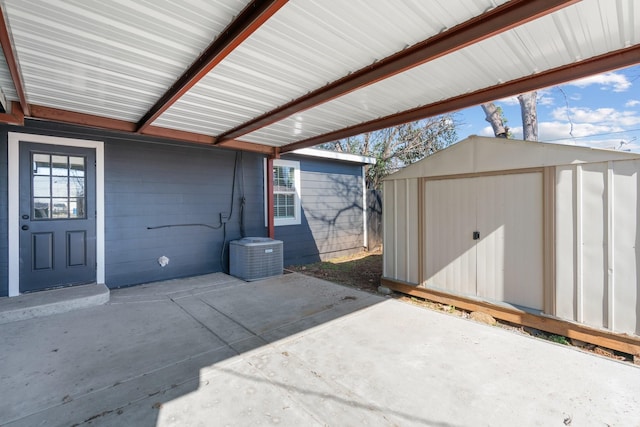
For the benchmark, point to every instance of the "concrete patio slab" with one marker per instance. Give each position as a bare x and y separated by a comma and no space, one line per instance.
294,350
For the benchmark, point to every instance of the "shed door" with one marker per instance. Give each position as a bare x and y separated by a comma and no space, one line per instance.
505,262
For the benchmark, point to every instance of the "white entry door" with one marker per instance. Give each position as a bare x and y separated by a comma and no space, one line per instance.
484,237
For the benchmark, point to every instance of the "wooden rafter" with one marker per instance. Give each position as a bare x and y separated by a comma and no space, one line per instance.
496,21
98,122
599,64
12,63
248,21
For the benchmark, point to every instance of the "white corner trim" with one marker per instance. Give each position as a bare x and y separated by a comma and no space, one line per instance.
14,139
365,208
335,155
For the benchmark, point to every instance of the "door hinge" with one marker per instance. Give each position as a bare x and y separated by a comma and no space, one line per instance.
476,235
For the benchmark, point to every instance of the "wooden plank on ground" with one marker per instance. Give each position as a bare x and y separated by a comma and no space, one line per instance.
620,342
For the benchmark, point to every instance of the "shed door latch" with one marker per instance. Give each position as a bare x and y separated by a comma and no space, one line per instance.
476,235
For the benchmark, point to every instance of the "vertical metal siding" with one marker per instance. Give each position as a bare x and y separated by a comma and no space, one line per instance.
400,219
509,215
597,259
401,235
412,231
626,292
565,242
388,226
594,239
450,252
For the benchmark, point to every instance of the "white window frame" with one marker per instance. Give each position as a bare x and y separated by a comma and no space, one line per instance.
297,219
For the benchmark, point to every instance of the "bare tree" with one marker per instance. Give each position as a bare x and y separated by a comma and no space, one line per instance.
398,146
528,112
493,115
529,115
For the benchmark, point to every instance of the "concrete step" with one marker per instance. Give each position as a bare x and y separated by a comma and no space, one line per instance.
46,303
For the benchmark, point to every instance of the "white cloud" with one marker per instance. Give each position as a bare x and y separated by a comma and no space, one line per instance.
607,116
632,103
549,131
512,100
614,81
546,100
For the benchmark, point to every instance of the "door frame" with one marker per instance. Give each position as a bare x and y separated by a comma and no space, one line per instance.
14,139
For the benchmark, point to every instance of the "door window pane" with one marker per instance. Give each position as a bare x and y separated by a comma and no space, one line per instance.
76,166
76,208
41,164
58,184
41,186
60,165
42,208
60,208
60,188
76,187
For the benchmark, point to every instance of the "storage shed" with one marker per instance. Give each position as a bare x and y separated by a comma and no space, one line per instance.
542,228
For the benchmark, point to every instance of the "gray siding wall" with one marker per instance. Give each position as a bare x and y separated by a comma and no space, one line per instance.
150,183
332,223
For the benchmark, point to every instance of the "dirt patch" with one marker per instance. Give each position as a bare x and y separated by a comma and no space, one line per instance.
364,270
360,271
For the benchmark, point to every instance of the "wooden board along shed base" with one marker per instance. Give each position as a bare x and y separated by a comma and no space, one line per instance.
620,342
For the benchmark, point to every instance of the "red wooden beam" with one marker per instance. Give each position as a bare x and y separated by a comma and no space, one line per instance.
249,20
12,63
271,231
82,119
599,64
496,21
16,117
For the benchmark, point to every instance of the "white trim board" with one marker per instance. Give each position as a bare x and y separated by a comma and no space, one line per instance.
335,155
14,140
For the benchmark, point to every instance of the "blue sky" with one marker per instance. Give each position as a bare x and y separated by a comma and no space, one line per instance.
601,111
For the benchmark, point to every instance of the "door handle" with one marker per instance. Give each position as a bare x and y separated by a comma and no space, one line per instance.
25,227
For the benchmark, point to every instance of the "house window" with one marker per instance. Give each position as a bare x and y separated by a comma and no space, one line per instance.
286,192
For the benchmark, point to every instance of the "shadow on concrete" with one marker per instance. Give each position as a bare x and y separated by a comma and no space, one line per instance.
127,356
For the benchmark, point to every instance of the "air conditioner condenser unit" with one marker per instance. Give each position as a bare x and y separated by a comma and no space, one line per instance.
255,258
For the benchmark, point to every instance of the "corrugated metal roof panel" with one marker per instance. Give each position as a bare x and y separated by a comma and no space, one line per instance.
539,45
117,58
308,44
6,83
85,48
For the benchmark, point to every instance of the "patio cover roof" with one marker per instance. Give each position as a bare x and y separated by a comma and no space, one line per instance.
273,76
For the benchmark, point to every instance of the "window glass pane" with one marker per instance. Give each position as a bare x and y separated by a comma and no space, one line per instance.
60,208
41,164
41,186
60,186
76,187
76,166
76,208
59,165
283,178
284,206
41,208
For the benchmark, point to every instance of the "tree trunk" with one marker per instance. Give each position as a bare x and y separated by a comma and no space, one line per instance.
529,115
492,115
